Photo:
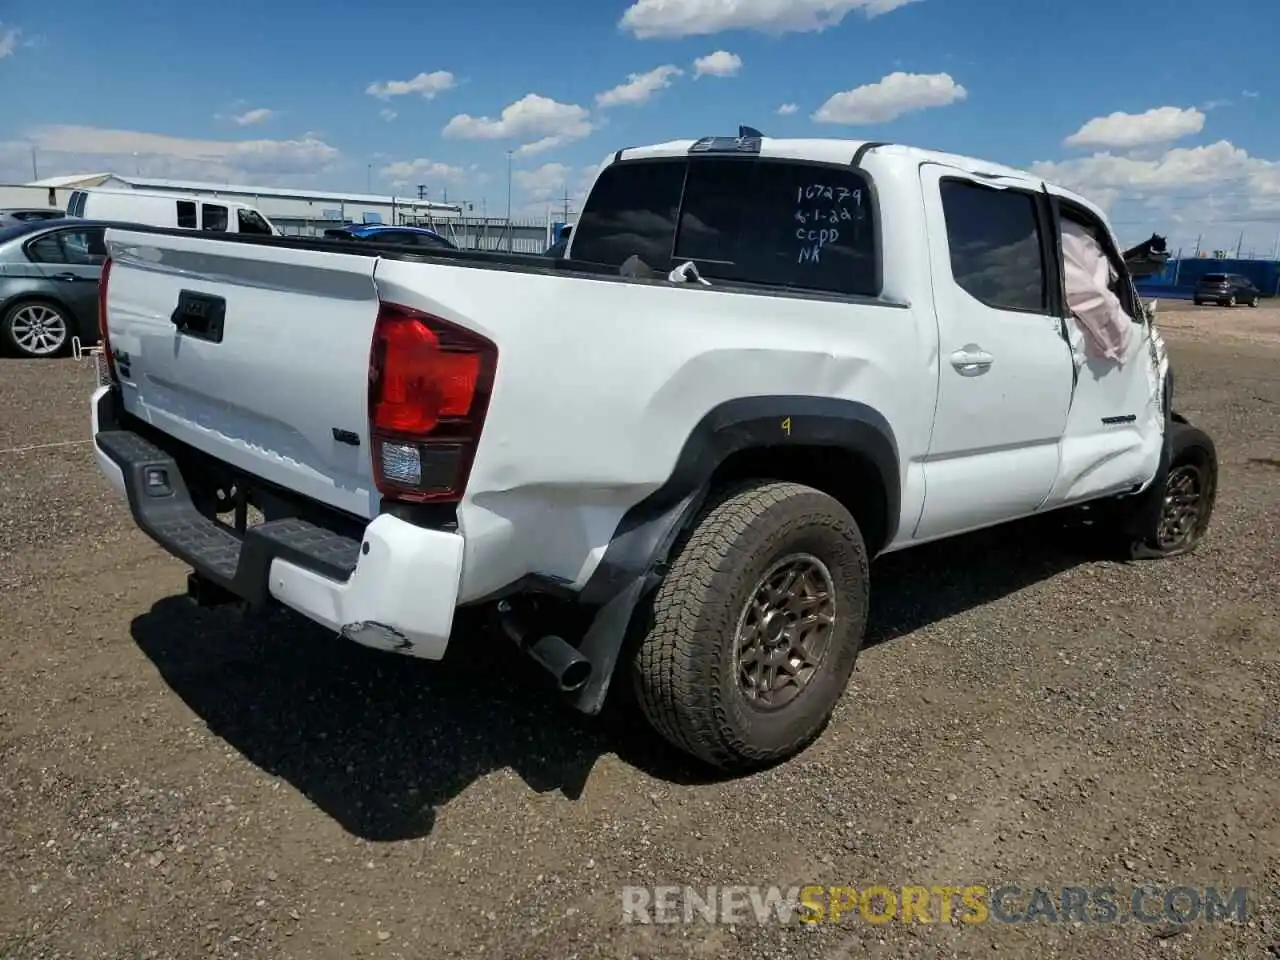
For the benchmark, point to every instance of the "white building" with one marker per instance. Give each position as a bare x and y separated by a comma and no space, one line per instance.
292,211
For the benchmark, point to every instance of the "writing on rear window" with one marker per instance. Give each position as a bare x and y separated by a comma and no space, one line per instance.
821,209
760,221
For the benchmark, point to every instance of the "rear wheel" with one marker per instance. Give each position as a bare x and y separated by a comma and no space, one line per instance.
1254,301
35,328
1231,301
755,629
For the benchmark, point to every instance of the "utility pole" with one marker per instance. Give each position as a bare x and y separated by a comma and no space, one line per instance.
35,167
368,178
566,204
510,237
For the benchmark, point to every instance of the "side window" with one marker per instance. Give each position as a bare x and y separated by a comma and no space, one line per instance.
250,221
47,249
779,223
995,242
187,215
631,210
84,248
215,217
1119,283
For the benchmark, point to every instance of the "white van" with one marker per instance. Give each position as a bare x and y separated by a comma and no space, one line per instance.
182,210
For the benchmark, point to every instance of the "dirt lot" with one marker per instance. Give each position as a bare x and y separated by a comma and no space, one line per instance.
178,784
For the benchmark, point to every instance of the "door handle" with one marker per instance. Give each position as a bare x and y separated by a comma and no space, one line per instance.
65,276
971,360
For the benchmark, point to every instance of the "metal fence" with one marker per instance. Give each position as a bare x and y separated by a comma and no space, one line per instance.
1178,278
468,233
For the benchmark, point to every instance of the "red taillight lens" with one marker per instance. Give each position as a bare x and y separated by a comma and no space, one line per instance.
421,381
429,383
102,318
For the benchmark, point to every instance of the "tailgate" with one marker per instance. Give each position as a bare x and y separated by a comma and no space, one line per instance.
254,354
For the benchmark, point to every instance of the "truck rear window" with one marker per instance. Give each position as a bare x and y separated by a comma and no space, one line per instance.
777,223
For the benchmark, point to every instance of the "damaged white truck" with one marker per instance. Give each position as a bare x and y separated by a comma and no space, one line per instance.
762,364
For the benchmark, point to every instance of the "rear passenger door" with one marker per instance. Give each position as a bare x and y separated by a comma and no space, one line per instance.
70,261
1005,370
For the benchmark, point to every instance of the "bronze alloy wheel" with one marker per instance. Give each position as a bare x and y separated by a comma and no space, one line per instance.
1184,504
784,631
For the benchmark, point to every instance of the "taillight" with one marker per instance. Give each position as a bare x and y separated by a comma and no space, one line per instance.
102,319
429,384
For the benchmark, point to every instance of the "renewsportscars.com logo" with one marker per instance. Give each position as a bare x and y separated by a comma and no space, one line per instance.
970,904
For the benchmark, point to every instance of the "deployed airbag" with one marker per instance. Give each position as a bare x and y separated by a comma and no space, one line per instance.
1089,275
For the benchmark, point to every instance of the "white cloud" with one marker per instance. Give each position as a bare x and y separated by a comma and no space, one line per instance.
787,109
1251,94
253,117
722,63
541,121
421,171
647,19
639,87
1128,130
543,183
1181,167
77,149
891,97
8,40
387,114
1217,190
426,85
548,184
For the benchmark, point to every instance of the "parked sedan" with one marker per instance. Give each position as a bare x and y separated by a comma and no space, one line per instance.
12,216
1226,290
49,272
384,233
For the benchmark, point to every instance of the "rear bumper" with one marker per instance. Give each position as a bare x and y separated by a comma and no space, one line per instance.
393,589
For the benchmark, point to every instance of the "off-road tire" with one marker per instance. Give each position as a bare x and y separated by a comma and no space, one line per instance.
1192,455
683,670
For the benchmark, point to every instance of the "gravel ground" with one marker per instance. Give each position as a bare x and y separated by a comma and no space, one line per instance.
179,784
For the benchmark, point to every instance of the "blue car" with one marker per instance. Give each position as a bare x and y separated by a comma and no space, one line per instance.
409,236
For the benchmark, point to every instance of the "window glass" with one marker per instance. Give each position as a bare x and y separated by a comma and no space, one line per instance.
215,217
994,236
187,214
631,210
250,221
76,247
779,223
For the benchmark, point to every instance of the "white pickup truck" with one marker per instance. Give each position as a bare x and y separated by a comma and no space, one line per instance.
877,346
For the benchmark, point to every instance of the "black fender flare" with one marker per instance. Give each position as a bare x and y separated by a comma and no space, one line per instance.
635,559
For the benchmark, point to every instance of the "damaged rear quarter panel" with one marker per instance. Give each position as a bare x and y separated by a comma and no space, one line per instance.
600,383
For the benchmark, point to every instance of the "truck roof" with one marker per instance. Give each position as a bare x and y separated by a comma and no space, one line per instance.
842,151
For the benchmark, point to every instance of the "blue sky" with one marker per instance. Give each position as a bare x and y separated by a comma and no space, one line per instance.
393,94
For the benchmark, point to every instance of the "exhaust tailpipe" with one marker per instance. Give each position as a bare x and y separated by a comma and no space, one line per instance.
554,654
559,658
